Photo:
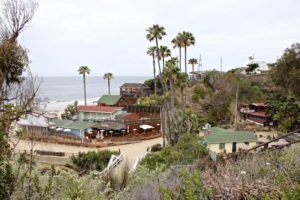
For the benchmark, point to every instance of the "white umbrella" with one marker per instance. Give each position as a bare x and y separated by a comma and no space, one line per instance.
52,127
145,127
59,129
67,130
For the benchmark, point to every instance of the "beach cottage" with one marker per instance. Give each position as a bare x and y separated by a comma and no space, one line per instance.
111,100
98,113
220,140
78,128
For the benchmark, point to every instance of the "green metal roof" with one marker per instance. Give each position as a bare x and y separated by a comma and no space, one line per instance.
80,125
109,99
220,135
61,122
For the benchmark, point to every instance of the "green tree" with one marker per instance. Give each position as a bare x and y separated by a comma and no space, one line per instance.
108,76
164,52
155,33
152,52
177,43
285,73
252,67
70,112
285,111
84,70
187,39
193,62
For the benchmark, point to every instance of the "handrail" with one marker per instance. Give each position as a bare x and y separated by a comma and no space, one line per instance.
284,136
113,162
138,159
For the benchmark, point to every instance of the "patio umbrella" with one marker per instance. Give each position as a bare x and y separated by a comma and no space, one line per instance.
145,127
52,127
59,129
67,130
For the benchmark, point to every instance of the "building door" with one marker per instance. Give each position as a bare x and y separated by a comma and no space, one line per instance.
234,147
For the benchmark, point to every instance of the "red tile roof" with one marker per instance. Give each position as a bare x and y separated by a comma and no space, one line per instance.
259,114
258,104
103,109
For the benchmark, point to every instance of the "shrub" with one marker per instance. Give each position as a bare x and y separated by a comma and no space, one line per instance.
200,91
156,147
92,160
188,149
195,98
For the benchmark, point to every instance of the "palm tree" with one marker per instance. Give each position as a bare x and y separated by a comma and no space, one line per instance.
156,33
193,61
151,51
177,42
84,70
187,39
164,52
108,76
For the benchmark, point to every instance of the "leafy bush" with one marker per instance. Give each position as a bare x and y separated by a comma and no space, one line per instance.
200,91
188,149
92,160
195,98
156,147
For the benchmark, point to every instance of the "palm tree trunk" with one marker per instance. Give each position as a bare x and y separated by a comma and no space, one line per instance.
180,58
193,67
108,80
164,93
84,87
154,78
185,92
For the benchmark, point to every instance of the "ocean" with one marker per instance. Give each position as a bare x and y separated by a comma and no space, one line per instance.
61,91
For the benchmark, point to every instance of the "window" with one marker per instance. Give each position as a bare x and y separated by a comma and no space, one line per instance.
222,146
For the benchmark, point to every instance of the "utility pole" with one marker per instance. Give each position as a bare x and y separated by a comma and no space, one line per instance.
236,104
200,64
221,63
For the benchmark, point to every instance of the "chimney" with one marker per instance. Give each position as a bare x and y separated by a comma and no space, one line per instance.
208,132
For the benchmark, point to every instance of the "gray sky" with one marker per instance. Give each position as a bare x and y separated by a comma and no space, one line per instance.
109,35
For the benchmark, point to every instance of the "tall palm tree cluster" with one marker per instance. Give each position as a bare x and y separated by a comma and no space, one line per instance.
172,79
85,70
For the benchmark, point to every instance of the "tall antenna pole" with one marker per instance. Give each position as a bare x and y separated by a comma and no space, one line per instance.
236,100
221,63
200,63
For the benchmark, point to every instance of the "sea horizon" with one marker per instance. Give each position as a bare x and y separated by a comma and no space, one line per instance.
59,91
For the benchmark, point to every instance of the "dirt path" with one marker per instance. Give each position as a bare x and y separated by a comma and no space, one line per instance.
130,151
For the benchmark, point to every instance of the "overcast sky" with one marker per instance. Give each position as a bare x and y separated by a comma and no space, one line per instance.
109,35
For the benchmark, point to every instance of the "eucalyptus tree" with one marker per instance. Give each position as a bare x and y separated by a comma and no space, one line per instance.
84,70
177,43
164,52
152,52
193,62
108,76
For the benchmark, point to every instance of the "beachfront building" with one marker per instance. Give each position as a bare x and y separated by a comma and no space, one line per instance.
134,90
256,113
98,113
33,123
111,100
78,128
220,140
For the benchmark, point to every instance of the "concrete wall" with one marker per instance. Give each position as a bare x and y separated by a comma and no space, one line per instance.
228,147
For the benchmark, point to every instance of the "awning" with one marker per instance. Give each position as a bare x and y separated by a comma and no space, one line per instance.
145,127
